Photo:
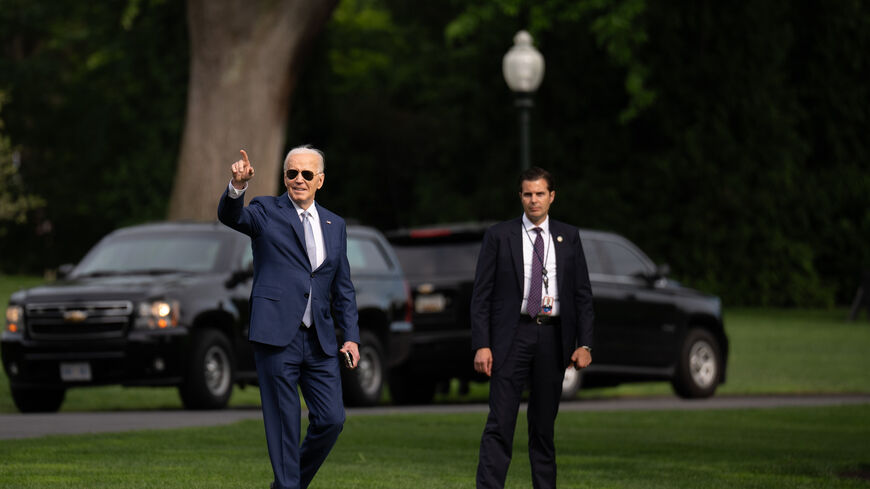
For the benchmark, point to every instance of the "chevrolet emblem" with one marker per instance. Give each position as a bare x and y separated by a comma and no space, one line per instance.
74,316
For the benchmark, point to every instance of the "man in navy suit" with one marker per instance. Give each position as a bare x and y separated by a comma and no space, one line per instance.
531,316
301,275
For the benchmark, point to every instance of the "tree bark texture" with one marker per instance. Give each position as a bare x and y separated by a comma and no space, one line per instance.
245,56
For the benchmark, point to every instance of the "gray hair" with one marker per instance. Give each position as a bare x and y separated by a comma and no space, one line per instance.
309,150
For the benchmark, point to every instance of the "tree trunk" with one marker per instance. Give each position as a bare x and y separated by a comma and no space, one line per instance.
245,56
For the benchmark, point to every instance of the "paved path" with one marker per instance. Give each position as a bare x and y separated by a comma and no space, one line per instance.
36,425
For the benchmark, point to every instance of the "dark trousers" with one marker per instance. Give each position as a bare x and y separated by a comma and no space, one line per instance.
280,370
534,360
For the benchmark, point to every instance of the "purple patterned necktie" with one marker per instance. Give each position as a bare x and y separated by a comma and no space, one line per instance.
533,305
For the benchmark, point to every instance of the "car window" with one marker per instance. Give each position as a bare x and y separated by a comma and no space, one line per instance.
590,250
623,260
195,252
365,255
438,260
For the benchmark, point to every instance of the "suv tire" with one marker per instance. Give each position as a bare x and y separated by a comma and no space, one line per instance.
37,400
362,386
699,367
210,372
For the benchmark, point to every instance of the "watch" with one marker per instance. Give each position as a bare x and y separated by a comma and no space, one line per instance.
587,348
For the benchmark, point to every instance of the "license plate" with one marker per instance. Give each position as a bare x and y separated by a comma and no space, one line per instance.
75,372
430,303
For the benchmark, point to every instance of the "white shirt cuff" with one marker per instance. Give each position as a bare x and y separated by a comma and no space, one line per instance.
235,193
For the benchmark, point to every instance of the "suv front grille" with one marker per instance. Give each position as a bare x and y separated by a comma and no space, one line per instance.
78,320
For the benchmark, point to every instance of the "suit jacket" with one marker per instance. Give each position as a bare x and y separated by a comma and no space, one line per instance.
498,289
283,274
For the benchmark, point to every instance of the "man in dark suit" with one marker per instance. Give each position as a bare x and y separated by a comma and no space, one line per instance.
531,316
301,275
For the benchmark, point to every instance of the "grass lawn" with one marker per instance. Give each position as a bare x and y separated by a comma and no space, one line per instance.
751,448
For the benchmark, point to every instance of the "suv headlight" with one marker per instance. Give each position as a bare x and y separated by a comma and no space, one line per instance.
14,319
161,314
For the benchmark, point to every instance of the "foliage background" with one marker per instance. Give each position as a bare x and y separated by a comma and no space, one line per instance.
728,139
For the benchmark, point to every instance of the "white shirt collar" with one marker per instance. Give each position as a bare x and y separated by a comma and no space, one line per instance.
529,225
312,209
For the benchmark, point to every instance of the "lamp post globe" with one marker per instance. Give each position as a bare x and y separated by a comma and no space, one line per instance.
523,69
523,65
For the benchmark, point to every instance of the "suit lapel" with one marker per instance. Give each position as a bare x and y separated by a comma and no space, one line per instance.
515,238
292,218
559,244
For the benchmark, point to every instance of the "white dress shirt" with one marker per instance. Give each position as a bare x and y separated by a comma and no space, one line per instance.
529,236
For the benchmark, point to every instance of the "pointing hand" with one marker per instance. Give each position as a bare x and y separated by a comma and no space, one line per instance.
242,171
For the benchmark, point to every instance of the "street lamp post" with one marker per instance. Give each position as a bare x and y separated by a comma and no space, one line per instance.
523,68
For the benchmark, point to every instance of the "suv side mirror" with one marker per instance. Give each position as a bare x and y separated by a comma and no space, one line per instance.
64,270
658,277
663,270
239,276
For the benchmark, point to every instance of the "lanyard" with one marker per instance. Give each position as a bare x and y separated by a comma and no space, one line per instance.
543,259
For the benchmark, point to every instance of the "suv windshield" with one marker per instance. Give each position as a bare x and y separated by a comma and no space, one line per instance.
153,253
438,260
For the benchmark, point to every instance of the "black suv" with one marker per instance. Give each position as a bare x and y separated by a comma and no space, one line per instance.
647,327
168,304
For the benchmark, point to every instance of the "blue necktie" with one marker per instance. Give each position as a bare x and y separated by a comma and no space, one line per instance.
533,304
312,257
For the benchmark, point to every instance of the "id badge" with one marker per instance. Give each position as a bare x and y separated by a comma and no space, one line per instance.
547,305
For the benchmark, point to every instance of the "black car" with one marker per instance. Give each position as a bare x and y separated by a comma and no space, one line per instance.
167,304
647,326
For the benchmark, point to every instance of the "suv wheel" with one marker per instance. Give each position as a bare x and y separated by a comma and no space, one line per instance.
210,372
571,383
699,366
362,386
37,400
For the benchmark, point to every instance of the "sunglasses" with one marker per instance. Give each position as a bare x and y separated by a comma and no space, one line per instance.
306,174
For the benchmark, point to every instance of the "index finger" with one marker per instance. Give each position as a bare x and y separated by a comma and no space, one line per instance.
245,156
